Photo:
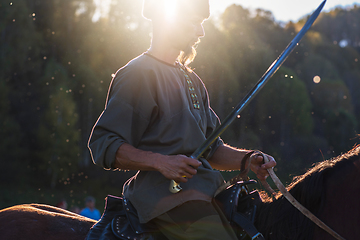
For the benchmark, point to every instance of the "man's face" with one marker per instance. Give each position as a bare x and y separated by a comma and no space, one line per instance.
90,204
185,32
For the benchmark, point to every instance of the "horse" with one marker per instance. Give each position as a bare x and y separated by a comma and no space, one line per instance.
330,190
40,221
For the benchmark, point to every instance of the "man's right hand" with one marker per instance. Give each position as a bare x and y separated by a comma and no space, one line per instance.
178,167
174,167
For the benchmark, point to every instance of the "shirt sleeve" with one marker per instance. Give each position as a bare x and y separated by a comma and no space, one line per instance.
127,114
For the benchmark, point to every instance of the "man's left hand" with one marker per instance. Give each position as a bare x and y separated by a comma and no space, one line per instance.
260,168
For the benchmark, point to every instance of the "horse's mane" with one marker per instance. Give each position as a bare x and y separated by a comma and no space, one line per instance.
328,165
278,219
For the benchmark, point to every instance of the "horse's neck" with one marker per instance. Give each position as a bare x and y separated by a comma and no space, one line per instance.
279,220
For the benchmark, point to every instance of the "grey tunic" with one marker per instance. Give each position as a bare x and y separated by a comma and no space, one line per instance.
149,106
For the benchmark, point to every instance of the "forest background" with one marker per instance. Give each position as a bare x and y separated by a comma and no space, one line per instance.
57,62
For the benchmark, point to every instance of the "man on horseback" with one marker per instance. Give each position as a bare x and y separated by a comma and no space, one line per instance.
157,114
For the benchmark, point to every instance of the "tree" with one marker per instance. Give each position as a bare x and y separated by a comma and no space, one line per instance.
58,155
333,110
285,121
11,137
340,24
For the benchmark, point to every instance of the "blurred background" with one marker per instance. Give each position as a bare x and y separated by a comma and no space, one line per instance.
57,59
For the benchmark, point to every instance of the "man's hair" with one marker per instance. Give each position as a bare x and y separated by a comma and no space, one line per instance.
154,8
89,199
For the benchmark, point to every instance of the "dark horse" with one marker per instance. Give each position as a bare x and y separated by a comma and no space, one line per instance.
330,190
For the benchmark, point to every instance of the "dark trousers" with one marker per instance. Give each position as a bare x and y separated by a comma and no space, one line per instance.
195,220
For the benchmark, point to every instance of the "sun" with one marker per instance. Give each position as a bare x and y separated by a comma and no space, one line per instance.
170,8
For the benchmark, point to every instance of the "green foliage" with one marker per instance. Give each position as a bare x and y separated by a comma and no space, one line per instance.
11,136
58,128
294,113
56,66
334,114
340,129
331,95
16,24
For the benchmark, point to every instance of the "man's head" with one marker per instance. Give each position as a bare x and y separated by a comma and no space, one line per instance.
90,202
179,22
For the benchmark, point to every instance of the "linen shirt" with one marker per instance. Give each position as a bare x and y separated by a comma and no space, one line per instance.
149,105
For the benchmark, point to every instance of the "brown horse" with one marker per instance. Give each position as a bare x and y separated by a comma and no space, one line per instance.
331,190
42,222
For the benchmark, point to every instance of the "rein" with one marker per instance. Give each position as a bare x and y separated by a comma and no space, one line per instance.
286,194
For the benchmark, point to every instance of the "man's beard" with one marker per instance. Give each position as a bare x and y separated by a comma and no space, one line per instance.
188,54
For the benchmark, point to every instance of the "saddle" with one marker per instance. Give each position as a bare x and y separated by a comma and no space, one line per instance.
120,219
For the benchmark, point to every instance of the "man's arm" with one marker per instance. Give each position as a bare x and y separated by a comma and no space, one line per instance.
229,158
174,167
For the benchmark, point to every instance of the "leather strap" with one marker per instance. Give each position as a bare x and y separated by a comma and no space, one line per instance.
247,226
242,176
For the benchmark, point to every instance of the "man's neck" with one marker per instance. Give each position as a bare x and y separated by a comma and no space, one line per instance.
166,54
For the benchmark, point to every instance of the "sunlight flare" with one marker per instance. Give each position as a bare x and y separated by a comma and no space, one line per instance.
170,9
317,79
